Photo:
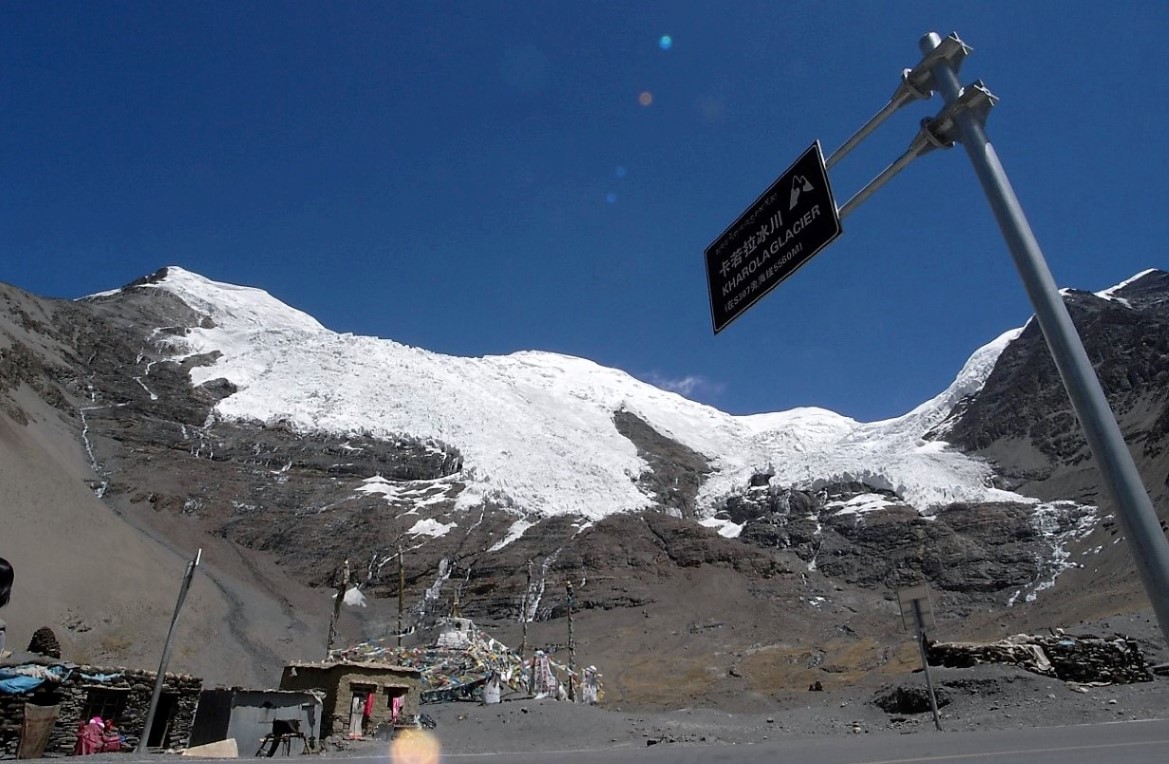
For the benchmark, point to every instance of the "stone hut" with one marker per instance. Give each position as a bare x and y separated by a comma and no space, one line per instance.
80,692
378,688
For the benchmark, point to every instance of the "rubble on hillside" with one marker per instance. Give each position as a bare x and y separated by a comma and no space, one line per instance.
465,663
1069,658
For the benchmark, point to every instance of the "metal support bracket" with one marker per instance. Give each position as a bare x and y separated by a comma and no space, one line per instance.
942,131
918,82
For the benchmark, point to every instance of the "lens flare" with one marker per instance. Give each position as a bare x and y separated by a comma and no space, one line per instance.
620,171
646,98
611,198
415,747
666,42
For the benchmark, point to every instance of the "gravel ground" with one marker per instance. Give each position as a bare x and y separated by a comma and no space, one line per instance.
983,697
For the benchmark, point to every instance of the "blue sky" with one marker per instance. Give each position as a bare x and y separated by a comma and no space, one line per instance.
484,177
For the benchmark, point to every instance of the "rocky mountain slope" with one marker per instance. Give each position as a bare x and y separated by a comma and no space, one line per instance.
713,558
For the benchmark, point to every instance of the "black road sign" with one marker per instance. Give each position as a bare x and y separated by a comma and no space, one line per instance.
789,223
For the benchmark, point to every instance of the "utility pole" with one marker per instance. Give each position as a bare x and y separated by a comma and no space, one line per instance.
341,583
532,667
571,647
166,648
401,591
524,613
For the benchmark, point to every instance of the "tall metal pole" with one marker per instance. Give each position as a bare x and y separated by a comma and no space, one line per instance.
1147,541
162,664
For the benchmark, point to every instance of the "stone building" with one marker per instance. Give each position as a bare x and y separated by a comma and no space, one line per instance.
248,716
80,692
378,688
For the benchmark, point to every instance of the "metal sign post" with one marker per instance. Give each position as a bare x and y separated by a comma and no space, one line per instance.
754,255
915,601
1147,541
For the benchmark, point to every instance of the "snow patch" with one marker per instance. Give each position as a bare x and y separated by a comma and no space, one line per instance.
861,504
431,527
726,528
517,529
1110,292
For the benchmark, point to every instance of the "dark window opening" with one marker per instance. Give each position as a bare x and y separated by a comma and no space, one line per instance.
106,702
168,704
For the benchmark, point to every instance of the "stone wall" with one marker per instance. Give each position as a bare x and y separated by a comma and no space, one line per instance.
337,680
76,693
1072,659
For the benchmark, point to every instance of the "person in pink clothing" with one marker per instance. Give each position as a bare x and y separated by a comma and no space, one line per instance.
111,739
89,737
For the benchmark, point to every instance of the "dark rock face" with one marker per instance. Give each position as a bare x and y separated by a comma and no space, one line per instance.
964,549
676,472
1022,419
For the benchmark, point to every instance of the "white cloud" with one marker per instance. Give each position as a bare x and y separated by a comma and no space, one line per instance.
691,386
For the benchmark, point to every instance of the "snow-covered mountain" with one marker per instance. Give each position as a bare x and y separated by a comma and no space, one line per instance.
210,415
536,430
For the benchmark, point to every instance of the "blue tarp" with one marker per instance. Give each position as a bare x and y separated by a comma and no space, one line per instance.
14,682
18,683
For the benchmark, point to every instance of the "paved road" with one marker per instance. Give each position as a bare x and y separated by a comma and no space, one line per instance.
1116,743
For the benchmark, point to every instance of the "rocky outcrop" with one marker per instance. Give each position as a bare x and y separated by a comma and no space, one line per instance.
909,699
994,549
675,472
1023,421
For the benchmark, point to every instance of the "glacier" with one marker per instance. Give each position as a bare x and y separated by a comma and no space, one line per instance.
536,429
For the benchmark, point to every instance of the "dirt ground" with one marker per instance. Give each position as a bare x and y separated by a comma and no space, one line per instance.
981,697
984,697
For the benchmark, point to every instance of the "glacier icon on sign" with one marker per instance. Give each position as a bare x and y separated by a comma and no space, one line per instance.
799,183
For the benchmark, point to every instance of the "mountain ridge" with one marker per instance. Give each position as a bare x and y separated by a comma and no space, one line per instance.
284,365
702,553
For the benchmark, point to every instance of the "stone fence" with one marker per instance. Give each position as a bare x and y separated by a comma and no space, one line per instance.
1070,658
81,692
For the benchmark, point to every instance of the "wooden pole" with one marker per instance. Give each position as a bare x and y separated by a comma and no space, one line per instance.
571,648
341,585
524,621
401,591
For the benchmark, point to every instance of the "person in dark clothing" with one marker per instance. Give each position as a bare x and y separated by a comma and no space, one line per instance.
5,592
5,581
